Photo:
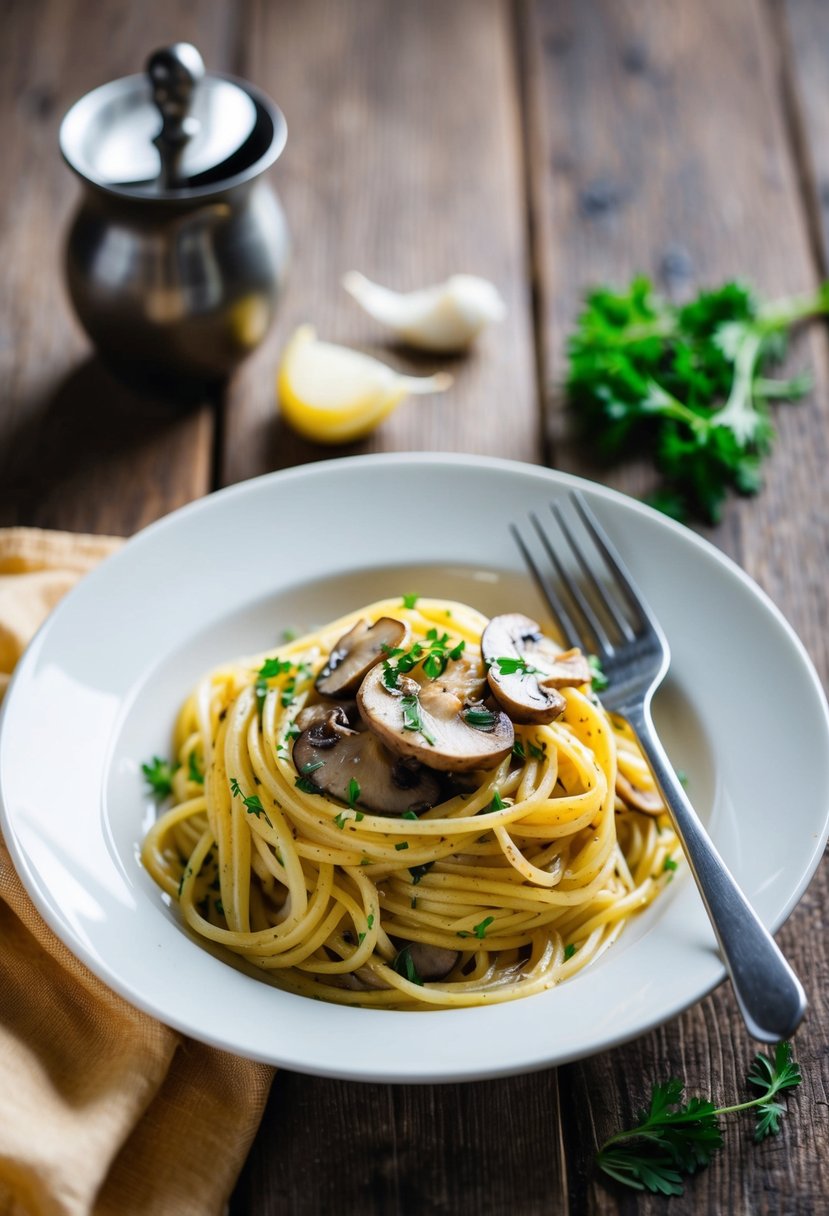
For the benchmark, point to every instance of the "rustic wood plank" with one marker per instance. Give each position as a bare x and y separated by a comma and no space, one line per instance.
77,449
403,161
659,144
479,1149
802,28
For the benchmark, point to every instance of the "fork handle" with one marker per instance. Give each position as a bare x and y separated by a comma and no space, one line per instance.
770,996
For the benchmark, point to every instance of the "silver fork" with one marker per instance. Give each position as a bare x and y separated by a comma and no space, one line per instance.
601,611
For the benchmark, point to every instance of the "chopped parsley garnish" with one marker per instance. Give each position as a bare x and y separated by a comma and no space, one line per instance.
412,719
569,951
669,864
434,654
598,680
417,872
252,805
673,1137
482,719
307,786
194,772
274,667
354,791
312,766
515,666
411,713
404,844
361,937
409,601
519,753
269,669
340,820
409,815
480,929
390,678
497,804
404,965
159,776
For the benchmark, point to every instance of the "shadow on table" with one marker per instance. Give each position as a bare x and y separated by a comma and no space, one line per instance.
89,427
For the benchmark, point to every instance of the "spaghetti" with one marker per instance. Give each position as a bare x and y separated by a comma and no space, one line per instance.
511,879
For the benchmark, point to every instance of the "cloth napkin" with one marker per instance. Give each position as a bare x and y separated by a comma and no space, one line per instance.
103,1110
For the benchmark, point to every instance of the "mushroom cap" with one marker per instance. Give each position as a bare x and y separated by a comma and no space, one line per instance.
336,716
330,754
535,668
356,653
432,962
427,719
649,802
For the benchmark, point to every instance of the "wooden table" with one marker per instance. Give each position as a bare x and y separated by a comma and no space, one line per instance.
547,146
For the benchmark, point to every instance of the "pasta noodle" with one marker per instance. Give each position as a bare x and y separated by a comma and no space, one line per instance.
516,878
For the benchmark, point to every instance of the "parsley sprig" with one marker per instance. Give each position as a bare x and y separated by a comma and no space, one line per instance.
687,384
673,1137
252,804
159,775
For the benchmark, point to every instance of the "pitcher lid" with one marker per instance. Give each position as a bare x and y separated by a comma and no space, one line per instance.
172,132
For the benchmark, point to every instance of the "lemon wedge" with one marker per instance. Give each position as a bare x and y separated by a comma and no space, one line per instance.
332,394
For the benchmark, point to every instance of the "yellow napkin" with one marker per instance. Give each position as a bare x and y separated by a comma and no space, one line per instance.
102,1110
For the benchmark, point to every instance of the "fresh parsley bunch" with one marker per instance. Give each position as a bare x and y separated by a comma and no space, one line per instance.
673,1137
686,384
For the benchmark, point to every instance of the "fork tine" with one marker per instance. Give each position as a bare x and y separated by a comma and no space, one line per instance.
618,618
635,599
568,630
585,607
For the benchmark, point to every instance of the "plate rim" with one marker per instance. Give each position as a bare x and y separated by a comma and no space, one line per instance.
478,463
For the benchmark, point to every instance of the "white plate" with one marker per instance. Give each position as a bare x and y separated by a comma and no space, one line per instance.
742,713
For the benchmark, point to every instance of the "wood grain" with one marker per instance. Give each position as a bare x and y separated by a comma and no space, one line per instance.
659,143
687,140
79,450
480,1149
403,161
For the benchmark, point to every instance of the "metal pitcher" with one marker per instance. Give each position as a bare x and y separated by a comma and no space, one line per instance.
177,254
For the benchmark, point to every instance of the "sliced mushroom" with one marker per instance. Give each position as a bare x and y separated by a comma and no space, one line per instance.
356,653
330,754
466,677
336,717
429,963
427,719
361,980
534,668
649,802
432,962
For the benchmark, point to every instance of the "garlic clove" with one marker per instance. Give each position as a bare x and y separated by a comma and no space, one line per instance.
332,394
446,317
